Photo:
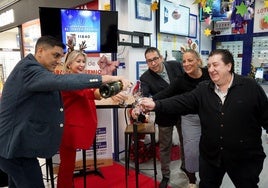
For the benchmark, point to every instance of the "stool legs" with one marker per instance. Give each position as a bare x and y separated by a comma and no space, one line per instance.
136,154
128,137
126,159
84,167
154,158
51,174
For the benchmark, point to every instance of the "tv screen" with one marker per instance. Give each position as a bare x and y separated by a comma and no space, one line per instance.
73,26
173,18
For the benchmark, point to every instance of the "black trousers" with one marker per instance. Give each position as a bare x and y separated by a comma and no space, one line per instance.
243,173
22,172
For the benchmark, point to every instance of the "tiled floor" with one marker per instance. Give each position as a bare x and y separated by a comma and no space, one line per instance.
178,178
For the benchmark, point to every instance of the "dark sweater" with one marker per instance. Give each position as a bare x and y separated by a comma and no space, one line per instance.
231,130
152,83
181,84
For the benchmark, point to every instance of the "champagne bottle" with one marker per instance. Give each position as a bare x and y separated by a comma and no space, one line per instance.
110,89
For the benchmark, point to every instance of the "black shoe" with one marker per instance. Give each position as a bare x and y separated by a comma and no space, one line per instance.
164,183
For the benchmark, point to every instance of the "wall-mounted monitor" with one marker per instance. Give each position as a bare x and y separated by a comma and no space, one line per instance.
173,18
99,29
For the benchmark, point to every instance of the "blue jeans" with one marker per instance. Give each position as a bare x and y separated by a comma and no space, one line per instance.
23,172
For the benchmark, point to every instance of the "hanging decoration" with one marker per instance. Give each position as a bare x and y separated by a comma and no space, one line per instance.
241,9
237,11
266,19
154,6
265,3
202,2
196,2
207,10
208,20
207,32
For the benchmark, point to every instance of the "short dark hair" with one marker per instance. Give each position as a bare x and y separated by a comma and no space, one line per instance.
50,41
226,56
151,49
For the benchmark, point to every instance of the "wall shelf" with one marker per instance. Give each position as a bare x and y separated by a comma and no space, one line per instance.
134,39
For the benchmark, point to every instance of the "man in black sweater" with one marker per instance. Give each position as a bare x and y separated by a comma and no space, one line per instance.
233,110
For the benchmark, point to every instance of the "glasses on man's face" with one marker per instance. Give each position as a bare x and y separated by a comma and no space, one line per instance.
152,60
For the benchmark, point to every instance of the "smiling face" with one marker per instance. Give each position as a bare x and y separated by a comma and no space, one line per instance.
219,71
78,65
75,62
191,63
154,61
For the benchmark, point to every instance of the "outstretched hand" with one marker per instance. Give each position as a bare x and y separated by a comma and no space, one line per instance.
107,66
147,104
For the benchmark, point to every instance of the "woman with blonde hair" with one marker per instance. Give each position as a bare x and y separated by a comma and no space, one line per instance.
80,119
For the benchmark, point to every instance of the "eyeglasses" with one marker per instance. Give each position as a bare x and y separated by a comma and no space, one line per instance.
151,60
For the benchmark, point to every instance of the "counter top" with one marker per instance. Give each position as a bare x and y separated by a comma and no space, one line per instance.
110,103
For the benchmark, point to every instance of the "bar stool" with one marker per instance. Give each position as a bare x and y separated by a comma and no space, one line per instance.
134,130
49,168
84,172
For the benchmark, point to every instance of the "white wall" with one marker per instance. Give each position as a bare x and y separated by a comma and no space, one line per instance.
129,55
10,52
128,22
8,39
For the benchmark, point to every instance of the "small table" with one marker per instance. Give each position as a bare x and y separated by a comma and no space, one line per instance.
109,103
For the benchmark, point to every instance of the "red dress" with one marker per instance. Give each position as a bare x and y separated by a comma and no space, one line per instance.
80,126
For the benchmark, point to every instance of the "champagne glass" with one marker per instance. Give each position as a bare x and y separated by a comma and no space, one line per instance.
138,98
126,92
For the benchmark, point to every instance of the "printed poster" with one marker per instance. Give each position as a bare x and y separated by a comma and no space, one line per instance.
260,25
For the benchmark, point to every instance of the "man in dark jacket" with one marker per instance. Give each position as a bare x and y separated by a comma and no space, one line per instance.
232,110
158,77
31,111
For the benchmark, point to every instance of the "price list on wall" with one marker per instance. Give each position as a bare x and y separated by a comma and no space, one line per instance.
260,54
259,51
236,48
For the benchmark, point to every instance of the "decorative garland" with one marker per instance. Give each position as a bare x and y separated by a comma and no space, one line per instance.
242,10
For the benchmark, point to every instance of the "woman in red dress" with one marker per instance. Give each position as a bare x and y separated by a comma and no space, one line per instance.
80,120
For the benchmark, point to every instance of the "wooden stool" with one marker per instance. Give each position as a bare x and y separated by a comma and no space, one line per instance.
135,129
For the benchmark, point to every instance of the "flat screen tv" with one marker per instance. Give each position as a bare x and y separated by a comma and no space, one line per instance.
99,29
173,18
